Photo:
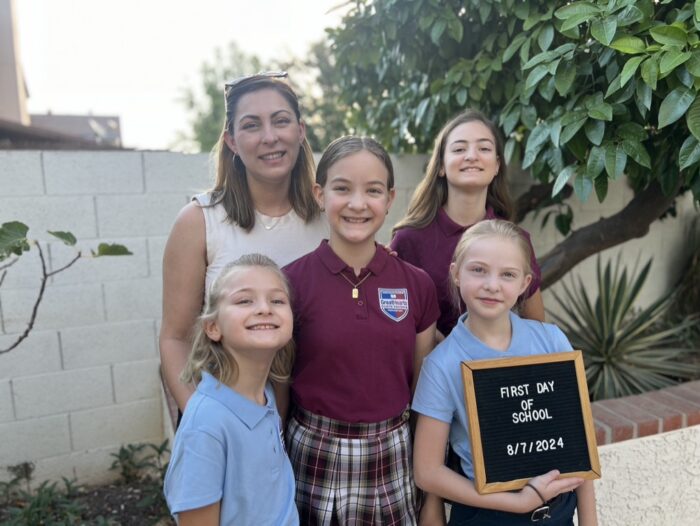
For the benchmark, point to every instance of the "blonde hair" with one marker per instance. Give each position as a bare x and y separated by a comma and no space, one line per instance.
489,228
231,185
209,355
431,193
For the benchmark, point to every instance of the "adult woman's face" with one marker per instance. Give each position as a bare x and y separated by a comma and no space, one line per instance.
266,136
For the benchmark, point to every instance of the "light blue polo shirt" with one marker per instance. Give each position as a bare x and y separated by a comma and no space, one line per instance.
440,390
230,449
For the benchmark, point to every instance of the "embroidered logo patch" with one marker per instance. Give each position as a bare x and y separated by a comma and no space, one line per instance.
394,303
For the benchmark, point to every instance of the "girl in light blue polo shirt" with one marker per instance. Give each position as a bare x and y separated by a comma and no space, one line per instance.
490,270
228,464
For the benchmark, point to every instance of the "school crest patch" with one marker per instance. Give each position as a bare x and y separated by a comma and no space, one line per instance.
394,303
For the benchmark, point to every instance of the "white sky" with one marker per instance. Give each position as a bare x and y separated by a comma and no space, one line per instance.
132,58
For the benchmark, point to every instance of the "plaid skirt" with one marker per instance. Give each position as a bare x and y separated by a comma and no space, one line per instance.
352,474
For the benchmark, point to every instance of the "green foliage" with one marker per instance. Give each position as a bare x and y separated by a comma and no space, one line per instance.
47,505
144,463
626,351
583,90
13,239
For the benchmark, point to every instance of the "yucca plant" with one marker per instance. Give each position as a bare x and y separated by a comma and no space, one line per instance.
626,351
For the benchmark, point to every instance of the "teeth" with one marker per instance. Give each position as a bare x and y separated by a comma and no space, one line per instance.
272,156
355,219
262,327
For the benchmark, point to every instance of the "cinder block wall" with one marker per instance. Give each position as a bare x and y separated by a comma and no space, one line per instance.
86,380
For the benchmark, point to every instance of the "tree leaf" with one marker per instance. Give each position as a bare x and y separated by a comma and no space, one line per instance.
670,35
514,46
544,40
692,118
576,9
574,22
535,76
66,237
601,112
643,98
564,78
631,131
437,30
600,184
13,239
689,153
570,130
637,151
615,160
462,96
672,59
630,69
693,64
111,249
537,137
675,105
650,72
629,45
594,130
582,187
596,162
562,179
603,30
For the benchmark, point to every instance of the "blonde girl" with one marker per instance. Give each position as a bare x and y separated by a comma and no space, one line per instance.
489,271
229,464
465,183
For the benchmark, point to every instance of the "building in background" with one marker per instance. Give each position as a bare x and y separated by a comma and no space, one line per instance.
19,129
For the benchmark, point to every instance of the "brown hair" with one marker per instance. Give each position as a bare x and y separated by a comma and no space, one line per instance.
209,355
484,229
431,192
348,145
231,185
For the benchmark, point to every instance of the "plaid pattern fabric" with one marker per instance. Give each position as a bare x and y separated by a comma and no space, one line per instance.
352,474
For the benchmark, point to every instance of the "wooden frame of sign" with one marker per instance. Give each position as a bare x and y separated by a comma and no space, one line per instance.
528,416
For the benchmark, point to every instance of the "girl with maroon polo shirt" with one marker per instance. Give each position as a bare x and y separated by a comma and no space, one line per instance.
364,321
465,183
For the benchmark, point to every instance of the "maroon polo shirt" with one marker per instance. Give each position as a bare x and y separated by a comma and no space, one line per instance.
355,356
431,248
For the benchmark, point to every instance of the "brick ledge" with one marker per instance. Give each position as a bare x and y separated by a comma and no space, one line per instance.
647,414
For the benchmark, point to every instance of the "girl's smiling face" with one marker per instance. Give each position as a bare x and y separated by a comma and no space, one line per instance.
491,276
254,312
356,198
470,159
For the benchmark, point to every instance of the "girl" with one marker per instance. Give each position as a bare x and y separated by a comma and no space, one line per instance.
364,321
261,202
489,271
465,183
228,464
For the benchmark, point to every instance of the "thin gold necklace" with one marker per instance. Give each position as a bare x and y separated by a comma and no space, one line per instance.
355,291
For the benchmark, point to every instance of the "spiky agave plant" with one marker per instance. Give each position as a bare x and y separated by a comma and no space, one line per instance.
626,351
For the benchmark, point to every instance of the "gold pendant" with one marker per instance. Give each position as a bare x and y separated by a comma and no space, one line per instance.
355,293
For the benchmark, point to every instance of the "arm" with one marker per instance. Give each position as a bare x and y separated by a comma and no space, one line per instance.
533,307
184,269
425,342
433,476
585,494
282,399
206,516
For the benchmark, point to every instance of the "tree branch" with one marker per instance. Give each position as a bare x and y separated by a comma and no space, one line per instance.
631,222
536,196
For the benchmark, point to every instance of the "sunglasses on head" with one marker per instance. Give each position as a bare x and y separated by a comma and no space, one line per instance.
240,81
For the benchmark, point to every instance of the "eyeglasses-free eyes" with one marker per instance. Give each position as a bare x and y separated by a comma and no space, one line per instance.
237,83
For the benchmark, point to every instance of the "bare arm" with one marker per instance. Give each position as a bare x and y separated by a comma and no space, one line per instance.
533,307
425,342
585,495
282,399
206,516
184,269
433,476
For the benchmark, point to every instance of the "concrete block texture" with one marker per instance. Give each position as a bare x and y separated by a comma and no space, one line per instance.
108,343
38,353
26,272
74,172
137,380
170,172
117,424
67,306
6,411
62,392
89,269
141,215
21,173
74,214
29,440
156,248
135,299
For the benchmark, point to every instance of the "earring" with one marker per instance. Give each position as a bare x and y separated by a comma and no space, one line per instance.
233,158
386,212
323,209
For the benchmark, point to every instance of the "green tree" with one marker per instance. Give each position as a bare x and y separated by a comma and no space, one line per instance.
584,92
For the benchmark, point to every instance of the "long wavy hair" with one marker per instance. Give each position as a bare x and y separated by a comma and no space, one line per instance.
231,185
431,193
209,355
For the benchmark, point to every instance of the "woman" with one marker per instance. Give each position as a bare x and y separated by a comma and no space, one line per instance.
262,201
